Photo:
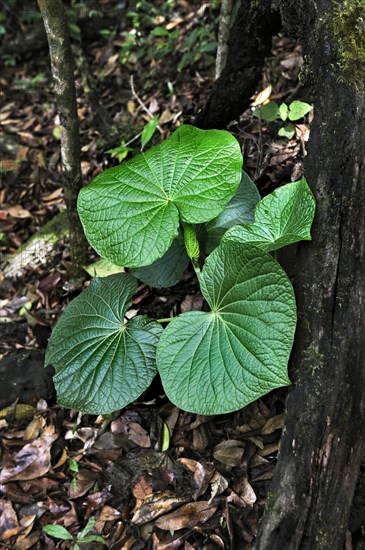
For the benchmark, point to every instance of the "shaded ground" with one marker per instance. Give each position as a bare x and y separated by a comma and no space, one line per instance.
151,476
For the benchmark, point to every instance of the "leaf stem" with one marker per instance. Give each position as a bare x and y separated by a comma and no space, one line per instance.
196,267
192,246
167,320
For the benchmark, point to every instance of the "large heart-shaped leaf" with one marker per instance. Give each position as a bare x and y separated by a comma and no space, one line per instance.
101,362
284,217
218,362
131,213
166,271
239,210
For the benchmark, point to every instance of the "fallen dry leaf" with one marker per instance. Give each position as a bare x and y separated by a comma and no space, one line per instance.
109,514
19,212
34,428
27,523
172,543
202,475
27,542
155,505
200,439
138,435
8,519
218,485
187,516
244,490
83,481
231,456
34,460
273,424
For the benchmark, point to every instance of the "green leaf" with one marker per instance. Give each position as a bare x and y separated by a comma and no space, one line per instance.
284,217
90,524
165,438
166,271
121,152
239,210
102,268
269,111
75,31
298,109
160,31
74,466
57,132
287,131
58,532
101,363
149,130
283,111
191,242
218,362
131,212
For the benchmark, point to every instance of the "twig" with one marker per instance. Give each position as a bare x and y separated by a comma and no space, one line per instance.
131,82
133,139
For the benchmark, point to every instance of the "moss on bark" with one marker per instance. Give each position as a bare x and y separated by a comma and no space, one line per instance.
348,32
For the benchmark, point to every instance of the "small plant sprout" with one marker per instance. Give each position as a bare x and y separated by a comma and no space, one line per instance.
185,200
59,532
271,111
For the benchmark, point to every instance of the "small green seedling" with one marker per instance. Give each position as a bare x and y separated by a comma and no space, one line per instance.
74,467
59,532
121,152
184,200
272,111
149,130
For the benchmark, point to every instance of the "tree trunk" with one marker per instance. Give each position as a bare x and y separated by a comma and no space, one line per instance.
225,17
249,43
324,436
55,22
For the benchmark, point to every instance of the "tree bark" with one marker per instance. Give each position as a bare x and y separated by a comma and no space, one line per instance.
55,22
225,17
324,436
249,43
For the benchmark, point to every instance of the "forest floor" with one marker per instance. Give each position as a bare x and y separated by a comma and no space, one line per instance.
151,475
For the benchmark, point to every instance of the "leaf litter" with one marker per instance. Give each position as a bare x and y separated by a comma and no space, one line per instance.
151,475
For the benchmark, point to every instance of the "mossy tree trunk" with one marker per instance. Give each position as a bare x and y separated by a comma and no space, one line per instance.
324,436
323,440
55,23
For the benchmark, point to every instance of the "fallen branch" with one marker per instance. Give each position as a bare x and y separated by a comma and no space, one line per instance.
37,251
